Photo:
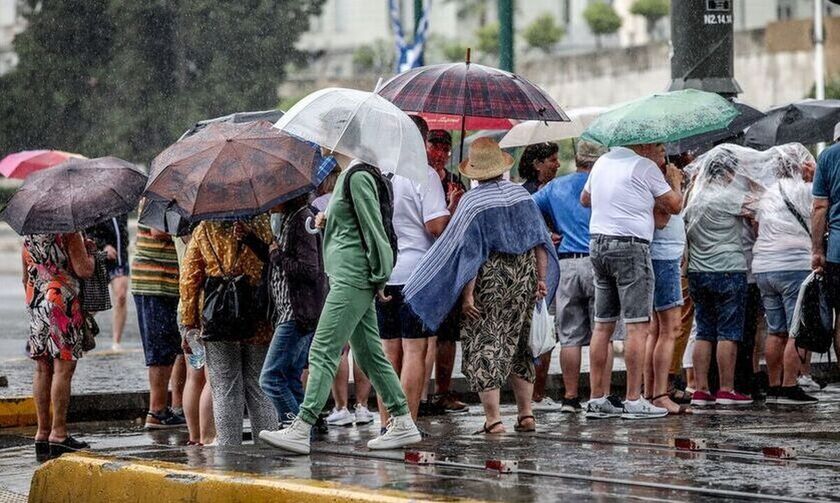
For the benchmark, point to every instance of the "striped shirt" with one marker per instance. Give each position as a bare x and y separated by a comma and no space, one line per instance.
154,270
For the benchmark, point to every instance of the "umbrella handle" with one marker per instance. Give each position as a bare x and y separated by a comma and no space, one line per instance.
309,227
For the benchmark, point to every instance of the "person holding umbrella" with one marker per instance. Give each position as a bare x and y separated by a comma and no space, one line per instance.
367,135
56,257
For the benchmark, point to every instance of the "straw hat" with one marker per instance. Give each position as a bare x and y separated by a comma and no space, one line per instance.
485,160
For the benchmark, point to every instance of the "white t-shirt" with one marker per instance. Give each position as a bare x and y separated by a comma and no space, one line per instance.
624,186
783,244
413,207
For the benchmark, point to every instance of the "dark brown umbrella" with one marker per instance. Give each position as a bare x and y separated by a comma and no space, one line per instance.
74,195
230,171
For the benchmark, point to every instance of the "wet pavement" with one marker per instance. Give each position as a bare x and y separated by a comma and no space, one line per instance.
570,458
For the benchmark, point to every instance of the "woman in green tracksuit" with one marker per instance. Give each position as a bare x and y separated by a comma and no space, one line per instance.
358,260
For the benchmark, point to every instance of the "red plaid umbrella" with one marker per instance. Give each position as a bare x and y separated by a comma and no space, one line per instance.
470,91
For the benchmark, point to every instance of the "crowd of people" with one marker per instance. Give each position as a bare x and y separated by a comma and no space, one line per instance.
682,259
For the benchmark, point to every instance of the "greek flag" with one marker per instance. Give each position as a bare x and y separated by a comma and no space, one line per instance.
409,55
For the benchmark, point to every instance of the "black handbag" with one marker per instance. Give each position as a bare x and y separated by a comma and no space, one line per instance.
94,290
230,306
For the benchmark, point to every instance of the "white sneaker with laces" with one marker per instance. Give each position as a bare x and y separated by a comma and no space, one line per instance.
604,407
295,438
401,431
341,417
808,384
363,415
545,405
642,409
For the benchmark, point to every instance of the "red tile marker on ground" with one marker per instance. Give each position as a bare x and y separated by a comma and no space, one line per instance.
502,465
419,458
688,444
779,452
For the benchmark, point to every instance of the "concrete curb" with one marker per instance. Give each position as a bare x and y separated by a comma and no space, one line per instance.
17,412
86,477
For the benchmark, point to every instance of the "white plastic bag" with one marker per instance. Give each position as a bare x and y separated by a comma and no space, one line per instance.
542,338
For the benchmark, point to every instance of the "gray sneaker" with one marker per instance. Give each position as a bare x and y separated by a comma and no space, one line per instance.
604,407
642,409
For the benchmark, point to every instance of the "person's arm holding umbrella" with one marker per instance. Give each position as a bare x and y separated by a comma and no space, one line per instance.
81,261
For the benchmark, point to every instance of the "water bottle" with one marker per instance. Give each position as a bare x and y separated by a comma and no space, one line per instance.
196,359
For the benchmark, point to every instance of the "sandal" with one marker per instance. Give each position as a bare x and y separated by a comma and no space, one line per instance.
522,429
684,409
488,430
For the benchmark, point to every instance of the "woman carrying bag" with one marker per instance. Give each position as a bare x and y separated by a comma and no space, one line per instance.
217,267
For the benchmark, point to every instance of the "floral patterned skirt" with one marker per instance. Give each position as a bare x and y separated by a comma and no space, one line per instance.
496,345
57,324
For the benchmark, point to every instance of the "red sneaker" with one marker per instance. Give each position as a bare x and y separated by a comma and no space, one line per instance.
702,398
732,398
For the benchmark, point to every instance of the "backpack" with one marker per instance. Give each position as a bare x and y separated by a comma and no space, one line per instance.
386,203
813,324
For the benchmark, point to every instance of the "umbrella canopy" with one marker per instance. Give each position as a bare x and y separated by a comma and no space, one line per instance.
360,125
531,132
236,118
164,216
74,195
705,141
807,121
453,122
230,171
661,118
20,164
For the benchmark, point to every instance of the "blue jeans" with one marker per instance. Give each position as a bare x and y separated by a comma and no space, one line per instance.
284,364
779,292
719,304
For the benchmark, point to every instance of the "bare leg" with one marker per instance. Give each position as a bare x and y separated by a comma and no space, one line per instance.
490,403
192,402
774,349
60,398
158,387
394,352
669,327
541,367
570,367
727,351
598,354
523,391
702,358
634,355
690,380
41,384
431,353
362,385
650,346
205,413
339,385
177,381
792,363
119,292
444,364
413,375
805,367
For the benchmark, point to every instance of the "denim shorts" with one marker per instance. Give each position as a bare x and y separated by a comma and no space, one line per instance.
157,317
779,291
396,320
623,279
667,291
719,304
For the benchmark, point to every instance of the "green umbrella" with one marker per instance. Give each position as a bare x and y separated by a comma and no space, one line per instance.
661,118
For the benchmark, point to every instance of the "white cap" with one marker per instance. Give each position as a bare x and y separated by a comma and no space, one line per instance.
837,132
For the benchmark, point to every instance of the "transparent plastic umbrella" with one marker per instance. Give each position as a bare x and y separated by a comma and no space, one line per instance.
530,132
361,125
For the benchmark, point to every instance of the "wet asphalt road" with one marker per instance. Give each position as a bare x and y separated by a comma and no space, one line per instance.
562,459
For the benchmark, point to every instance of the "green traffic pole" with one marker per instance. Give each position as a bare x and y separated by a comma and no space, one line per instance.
506,35
418,13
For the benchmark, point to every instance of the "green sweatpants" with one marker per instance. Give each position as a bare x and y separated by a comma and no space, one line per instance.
349,314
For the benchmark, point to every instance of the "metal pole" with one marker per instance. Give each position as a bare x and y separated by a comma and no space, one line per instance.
418,14
506,35
819,58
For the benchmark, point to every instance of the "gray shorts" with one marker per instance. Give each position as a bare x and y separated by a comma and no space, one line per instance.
575,302
623,279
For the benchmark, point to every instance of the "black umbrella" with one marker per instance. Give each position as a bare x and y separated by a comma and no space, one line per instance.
807,121
705,141
74,195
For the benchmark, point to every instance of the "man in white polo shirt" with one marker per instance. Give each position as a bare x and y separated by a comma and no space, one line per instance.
624,186
420,216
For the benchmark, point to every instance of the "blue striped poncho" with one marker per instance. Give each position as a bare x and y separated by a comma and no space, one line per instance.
494,217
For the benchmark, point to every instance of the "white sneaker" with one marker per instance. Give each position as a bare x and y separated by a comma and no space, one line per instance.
604,407
340,417
642,409
808,384
546,404
295,438
363,415
401,431
116,347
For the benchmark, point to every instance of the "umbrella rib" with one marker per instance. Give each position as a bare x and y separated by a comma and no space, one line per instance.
241,166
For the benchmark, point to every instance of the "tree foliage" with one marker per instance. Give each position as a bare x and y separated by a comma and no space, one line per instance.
651,10
487,39
543,33
127,78
377,57
602,18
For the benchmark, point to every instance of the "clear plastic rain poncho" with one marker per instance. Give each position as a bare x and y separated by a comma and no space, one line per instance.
730,183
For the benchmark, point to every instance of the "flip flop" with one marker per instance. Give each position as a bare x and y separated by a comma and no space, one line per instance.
488,430
521,429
